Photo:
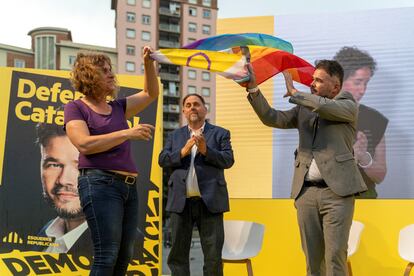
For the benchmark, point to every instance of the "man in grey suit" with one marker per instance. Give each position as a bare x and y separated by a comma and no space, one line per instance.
326,175
197,153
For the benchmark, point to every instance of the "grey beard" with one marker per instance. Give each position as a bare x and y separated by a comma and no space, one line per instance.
62,213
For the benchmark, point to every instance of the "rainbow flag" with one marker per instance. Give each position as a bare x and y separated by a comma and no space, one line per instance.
211,54
226,41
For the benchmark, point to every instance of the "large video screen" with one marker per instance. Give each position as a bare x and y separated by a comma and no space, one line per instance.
384,92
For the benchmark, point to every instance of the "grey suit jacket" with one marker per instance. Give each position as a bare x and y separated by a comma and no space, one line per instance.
209,169
326,133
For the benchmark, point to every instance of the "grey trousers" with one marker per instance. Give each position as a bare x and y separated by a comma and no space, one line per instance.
324,222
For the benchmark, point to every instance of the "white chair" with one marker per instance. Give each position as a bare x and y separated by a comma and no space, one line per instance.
406,247
353,241
242,241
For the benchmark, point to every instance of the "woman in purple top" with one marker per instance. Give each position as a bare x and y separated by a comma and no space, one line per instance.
107,179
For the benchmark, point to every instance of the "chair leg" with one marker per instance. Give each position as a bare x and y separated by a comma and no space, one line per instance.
248,263
249,267
408,269
349,268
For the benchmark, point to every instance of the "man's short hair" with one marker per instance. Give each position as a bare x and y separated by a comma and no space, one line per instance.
197,95
45,132
332,67
353,59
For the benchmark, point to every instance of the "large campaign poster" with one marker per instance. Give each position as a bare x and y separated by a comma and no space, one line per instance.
39,235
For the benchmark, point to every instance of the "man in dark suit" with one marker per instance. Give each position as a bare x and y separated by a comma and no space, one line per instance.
197,153
326,176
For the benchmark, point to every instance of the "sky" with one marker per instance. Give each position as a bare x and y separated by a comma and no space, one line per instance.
93,21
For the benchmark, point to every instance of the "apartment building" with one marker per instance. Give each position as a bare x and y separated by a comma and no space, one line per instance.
52,48
167,24
13,56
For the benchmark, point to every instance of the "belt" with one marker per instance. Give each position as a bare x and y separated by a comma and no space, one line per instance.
128,179
319,183
193,198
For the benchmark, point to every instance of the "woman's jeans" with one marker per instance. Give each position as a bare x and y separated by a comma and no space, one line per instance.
111,209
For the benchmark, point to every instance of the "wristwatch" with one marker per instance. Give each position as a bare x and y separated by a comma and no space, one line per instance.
369,163
252,90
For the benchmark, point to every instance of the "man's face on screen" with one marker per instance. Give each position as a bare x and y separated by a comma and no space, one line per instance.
357,83
59,172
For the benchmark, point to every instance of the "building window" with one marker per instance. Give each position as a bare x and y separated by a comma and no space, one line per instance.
192,27
72,60
191,89
146,3
175,8
142,68
207,3
172,89
130,66
191,40
130,50
192,11
131,2
146,19
206,76
173,108
206,29
205,91
19,63
192,74
146,36
130,16
130,33
206,13
192,1
45,55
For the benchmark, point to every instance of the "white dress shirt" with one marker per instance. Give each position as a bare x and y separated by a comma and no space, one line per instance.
313,174
63,240
191,181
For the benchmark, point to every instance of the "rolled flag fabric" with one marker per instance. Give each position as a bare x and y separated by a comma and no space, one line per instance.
231,63
226,63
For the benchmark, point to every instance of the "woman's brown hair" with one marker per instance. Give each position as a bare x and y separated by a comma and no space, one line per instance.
88,77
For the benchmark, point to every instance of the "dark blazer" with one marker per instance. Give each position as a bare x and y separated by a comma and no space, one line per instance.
209,168
326,133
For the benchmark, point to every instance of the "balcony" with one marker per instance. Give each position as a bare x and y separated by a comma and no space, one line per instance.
168,93
171,125
168,44
169,28
168,12
171,108
169,76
